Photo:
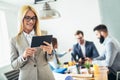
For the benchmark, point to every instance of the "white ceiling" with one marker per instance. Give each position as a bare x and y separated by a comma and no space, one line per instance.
18,2
21,2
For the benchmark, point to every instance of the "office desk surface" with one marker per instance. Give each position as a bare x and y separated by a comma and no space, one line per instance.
101,75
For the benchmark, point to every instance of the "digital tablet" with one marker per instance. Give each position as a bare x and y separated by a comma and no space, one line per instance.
38,40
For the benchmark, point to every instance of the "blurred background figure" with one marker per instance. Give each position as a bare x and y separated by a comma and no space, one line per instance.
110,56
55,63
83,49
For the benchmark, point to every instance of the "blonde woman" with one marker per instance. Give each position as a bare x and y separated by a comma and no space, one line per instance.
32,62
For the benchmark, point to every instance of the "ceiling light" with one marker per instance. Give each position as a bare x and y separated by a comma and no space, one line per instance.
48,13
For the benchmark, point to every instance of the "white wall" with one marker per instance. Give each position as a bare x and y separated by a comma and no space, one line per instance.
4,41
11,13
110,15
8,28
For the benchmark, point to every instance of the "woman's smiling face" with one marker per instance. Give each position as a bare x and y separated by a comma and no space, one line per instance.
29,21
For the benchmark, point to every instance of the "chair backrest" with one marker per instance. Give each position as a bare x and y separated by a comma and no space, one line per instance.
12,75
69,78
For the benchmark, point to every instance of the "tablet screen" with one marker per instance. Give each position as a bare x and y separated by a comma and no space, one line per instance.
38,40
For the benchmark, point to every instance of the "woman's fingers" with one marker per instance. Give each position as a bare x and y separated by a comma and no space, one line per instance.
30,51
47,48
46,43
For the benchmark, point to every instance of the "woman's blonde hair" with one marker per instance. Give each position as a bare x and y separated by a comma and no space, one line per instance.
22,14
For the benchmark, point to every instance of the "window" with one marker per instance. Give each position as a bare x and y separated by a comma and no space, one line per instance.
4,41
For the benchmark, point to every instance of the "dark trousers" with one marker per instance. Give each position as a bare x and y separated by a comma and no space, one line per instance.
112,74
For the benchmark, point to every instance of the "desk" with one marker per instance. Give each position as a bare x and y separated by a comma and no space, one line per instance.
102,75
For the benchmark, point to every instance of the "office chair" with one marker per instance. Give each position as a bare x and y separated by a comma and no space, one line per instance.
117,76
69,78
12,75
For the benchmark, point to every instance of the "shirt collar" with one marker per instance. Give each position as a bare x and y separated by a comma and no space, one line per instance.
32,33
106,39
83,43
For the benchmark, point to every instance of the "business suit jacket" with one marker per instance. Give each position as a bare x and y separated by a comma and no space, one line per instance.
90,50
34,68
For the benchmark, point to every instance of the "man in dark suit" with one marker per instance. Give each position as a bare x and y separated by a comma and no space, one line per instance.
83,49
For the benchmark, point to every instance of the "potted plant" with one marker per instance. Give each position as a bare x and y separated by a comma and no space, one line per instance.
87,65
